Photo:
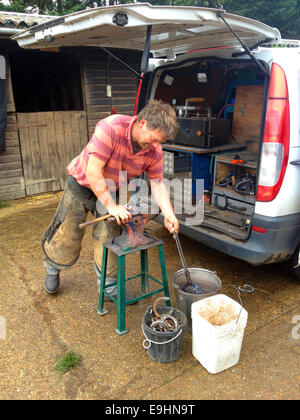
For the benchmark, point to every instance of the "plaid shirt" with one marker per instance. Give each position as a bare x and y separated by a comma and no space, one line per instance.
111,143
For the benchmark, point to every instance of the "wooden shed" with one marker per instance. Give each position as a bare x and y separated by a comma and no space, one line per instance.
53,101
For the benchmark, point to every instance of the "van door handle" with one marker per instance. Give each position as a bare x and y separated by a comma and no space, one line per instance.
295,162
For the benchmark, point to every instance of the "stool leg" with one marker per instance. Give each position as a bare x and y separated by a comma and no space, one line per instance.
121,296
164,273
102,283
144,270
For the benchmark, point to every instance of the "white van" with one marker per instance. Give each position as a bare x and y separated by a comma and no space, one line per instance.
236,88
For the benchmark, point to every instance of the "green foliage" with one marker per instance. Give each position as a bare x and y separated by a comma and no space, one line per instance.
17,6
3,204
67,362
49,7
284,14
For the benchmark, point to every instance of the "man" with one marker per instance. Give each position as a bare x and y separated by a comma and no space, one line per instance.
120,144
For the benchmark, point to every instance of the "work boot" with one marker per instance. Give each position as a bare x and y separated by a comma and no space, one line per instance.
51,283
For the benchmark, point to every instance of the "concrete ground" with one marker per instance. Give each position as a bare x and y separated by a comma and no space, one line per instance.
37,329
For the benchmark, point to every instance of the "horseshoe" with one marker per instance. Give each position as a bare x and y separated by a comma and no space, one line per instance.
161,324
173,325
155,305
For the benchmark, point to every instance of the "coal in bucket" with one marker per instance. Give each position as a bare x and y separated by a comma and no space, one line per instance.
209,283
164,346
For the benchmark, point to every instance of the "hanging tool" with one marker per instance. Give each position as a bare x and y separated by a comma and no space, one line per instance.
189,286
108,93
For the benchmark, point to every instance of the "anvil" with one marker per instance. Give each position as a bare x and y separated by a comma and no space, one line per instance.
132,233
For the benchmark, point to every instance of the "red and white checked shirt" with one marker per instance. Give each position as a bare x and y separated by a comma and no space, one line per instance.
111,142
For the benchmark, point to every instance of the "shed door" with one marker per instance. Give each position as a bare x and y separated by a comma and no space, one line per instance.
49,141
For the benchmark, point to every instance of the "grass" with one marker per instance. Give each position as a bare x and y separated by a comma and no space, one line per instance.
68,362
3,204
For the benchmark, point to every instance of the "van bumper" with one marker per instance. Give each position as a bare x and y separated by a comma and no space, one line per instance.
276,245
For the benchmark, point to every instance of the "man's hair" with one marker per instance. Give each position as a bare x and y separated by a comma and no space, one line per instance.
160,115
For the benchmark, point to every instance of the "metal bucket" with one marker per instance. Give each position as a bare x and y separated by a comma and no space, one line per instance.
209,283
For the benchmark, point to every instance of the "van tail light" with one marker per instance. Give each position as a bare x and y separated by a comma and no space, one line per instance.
275,148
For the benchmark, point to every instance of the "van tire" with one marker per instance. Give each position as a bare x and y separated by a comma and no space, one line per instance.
289,266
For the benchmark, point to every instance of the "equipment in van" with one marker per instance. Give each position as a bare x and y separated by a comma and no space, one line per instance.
243,183
202,132
246,185
197,127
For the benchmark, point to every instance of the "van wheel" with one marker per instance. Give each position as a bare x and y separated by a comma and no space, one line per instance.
292,266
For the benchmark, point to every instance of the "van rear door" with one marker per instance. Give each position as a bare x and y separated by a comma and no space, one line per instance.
175,30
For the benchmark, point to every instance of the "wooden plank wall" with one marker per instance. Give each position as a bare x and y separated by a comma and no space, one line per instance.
100,70
49,141
11,171
247,116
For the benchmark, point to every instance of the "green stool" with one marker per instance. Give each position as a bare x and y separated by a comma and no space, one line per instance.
121,279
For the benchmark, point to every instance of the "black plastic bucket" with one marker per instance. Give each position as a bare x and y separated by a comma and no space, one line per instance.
163,347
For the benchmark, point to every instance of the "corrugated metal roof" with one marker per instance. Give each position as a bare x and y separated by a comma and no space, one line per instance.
22,20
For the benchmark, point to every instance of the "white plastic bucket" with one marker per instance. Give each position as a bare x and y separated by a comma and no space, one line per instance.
218,324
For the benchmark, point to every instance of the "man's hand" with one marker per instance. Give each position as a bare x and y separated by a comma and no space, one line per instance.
171,223
161,196
120,213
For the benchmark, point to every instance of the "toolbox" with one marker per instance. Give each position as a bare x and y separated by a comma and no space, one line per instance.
202,132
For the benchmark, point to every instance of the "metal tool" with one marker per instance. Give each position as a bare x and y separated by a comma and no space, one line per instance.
96,220
189,286
132,232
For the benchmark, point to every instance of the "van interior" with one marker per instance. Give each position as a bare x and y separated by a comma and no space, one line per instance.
219,105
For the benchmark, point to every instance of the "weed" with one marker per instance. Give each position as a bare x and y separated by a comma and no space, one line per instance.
68,361
3,204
